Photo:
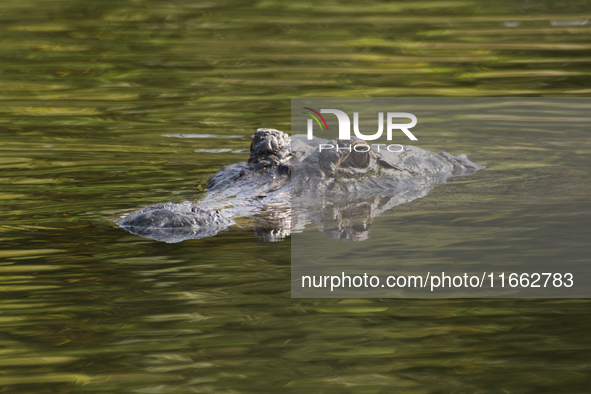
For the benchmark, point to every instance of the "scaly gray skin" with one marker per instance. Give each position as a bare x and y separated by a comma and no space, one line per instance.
340,191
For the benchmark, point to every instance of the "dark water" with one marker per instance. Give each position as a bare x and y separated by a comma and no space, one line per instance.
95,95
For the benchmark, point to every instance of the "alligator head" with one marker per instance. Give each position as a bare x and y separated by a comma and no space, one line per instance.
287,184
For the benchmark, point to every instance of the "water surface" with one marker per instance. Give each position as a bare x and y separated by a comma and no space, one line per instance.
95,96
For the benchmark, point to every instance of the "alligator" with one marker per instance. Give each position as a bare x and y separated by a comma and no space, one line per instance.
289,183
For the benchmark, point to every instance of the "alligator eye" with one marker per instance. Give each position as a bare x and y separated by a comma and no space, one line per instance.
358,159
284,169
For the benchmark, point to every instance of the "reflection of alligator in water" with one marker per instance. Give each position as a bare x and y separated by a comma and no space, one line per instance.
340,190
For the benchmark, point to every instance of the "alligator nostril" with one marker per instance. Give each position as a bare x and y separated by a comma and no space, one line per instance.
273,145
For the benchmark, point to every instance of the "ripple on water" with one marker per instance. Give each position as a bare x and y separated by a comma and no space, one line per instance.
201,136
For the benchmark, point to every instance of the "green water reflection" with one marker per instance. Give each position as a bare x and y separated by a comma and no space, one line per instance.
94,95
